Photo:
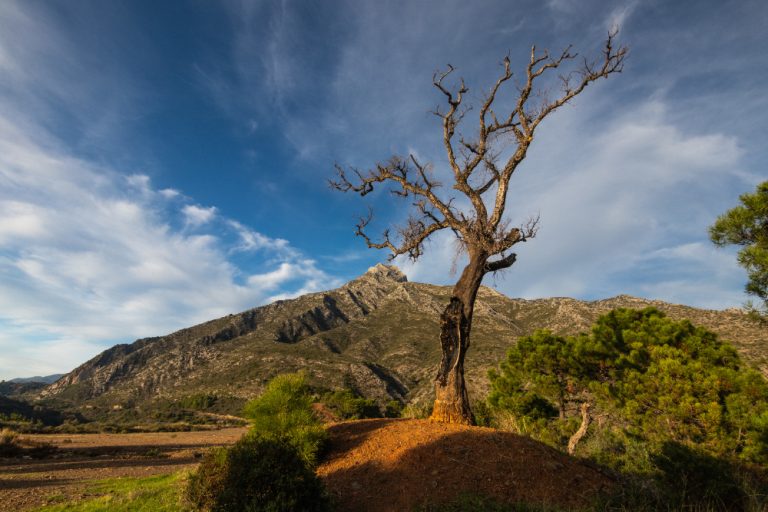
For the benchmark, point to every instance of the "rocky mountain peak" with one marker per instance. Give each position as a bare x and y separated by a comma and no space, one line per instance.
381,272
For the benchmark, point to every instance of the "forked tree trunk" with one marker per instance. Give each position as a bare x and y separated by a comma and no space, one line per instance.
451,399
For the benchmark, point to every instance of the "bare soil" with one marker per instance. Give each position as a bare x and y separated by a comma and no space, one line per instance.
27,483
396,465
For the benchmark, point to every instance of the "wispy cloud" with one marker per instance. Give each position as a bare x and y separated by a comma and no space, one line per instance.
618,17
92,254
250,240
197,215
86,259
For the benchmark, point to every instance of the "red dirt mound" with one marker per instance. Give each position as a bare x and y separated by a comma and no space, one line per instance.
386,465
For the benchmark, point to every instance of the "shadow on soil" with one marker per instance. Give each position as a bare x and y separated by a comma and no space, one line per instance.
502,465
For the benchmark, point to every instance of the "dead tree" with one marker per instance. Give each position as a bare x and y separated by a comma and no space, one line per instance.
482,176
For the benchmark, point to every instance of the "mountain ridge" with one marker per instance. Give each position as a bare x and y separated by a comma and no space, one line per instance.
44,379
377,333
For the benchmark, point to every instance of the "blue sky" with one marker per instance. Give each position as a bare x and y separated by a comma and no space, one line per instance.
165,163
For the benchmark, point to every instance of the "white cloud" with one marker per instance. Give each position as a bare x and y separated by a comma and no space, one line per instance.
250,240
169,193
304,272
198,215
271,280
440,263
45,79
708,294
23,220
139,182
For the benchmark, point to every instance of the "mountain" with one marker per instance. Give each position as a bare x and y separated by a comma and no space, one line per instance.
377,333
25,386
48,379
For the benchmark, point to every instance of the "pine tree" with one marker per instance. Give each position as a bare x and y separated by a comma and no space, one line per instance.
746,225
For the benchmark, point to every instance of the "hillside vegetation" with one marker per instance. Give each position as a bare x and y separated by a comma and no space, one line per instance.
661,400
676,425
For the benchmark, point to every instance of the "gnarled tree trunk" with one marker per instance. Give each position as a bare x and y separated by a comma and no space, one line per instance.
582,431
451,399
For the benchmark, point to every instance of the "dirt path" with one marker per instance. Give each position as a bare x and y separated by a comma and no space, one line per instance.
79,458
394,465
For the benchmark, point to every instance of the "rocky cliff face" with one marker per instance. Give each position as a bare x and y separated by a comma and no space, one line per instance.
378,332
159,365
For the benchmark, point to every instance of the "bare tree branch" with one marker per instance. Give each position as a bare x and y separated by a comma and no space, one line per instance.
413,236
482,232
612,62
501,264
399,171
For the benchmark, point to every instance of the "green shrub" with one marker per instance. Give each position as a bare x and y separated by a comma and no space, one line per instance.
651,377
255,475
349,406
482,412
393,409
199,401
207,483
673,407
695,479
284,413
416,411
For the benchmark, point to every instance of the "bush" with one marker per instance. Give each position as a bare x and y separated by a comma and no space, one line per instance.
11,445
198,402
349,406
284,413
416,411
482,412
254,475
692,478
674,408
650,377
8,436
393,409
